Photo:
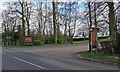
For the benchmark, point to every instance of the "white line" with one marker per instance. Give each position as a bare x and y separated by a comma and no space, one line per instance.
30,63
2,52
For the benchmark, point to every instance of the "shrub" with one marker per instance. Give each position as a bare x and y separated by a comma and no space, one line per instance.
51,39
38,42
106,47
60,38
117,50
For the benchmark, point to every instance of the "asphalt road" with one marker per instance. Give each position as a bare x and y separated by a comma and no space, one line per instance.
46,58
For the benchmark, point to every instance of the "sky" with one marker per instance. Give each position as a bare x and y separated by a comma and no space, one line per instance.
2,2
2,7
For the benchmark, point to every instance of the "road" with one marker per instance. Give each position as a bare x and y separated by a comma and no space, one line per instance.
49,58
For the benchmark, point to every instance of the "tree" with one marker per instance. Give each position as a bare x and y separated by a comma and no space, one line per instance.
90,26
28,15
23,21
68,19
54,22
112,23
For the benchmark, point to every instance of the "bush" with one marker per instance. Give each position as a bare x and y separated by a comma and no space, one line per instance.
60,38
38,42
10,37
117,50
106,47
109,47
51,39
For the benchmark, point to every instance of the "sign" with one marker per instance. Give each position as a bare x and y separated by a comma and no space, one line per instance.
94,38
28,39
94,29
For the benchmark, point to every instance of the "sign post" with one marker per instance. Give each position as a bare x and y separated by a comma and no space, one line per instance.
94,38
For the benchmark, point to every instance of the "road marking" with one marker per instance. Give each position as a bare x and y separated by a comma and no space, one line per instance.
2,52
30,63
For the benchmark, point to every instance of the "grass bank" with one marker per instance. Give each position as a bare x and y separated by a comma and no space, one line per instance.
101,57
87,41
81,42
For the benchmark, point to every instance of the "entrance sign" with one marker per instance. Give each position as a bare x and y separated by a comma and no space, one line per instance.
28,40
94,29
94,37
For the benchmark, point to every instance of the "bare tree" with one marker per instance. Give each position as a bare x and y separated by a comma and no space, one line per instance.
28,15
23,20
89,6
54,22
112,21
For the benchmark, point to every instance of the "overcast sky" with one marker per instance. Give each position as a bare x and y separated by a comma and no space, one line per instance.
2,7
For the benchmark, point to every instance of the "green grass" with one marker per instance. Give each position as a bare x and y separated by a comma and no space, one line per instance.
106,39
87,41
81,42
74,42
99,56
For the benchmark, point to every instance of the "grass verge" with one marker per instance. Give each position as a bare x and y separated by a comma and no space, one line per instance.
101,57
87,41
81,42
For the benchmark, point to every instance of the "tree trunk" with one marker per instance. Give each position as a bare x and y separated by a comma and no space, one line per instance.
112,26
39,27
27,19
95,22
69,35
90,26
28,25
23,21
95,19
54,23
